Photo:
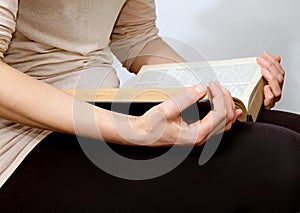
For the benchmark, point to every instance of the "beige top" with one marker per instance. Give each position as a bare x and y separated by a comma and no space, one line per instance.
67,43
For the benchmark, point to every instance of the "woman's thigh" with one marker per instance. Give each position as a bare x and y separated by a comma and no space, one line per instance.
255,168
281,118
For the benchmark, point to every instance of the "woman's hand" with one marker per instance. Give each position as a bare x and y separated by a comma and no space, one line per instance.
163,125
273,72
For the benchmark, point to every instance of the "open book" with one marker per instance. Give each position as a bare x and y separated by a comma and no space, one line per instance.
156,83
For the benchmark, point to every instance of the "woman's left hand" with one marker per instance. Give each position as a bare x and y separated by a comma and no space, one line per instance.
273,72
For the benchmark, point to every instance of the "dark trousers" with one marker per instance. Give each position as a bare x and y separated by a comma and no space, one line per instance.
255,169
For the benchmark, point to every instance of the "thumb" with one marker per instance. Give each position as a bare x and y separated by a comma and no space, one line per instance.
173,107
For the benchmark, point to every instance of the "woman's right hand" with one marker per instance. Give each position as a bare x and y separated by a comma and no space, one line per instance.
163,125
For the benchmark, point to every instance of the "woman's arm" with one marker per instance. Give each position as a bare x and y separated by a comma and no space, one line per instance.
26,100
135,40
35,103
155,52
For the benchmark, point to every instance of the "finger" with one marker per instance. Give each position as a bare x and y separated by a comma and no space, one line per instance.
275,86
275,67
228,126
230,107
230,118
269,97
269,64
173,107
273,61
216,117
270,56
230,113
278,58
238,113
272,74
230,110
217,130
204,128
220,99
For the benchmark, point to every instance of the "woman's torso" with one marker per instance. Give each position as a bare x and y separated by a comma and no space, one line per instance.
55,40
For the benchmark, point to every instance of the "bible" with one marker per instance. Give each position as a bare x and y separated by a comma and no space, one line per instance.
156,83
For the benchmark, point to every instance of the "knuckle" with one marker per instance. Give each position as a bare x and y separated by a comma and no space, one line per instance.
161,109
192,97
268,100
281,79
278,98
277,94
271,78
268,64
270,97
273,67
227,93
272,105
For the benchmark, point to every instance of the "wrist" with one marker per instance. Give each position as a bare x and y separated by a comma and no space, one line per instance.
115,127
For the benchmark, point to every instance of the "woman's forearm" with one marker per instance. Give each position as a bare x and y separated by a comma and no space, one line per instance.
29,101
26,100
155,52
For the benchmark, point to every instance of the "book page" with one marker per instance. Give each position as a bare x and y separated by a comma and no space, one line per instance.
172,75
239,76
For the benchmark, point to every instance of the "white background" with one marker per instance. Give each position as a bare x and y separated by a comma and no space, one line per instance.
223,29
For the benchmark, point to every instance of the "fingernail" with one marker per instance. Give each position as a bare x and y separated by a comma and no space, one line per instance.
200,88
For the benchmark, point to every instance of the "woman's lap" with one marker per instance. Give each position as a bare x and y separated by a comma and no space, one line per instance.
281,118
255,168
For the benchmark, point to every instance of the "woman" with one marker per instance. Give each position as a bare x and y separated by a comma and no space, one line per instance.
48,45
